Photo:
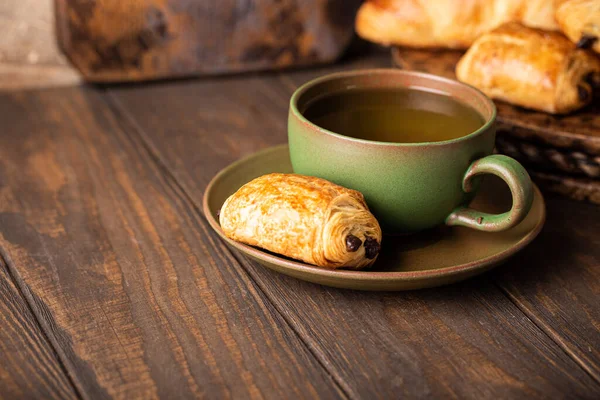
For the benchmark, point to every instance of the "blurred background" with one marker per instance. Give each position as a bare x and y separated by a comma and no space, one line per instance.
49,43
29,55
133,40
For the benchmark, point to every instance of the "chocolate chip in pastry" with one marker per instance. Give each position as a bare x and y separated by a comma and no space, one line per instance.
580,21
305,218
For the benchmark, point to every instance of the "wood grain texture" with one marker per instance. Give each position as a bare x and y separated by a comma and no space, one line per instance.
29,367
557,281
465,341
123,40
140,299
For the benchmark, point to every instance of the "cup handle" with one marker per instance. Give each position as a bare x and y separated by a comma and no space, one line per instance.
517,179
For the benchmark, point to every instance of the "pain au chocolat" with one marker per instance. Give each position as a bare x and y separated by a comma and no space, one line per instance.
580,21
531,68
304,218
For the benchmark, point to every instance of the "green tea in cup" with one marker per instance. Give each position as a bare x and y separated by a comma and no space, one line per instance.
394,115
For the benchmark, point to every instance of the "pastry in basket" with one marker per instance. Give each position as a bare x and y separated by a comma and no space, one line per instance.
531,68
446,23
304,218
580,21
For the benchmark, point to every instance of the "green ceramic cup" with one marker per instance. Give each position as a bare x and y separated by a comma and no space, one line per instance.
409,186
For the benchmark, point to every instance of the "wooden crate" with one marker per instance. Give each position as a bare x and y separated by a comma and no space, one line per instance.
132,40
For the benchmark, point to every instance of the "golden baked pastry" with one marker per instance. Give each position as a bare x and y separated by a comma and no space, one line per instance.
305,218
530,67
446,23
580,21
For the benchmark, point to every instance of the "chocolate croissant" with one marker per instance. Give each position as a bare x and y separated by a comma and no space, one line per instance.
530,67
304,218
446,23
580,21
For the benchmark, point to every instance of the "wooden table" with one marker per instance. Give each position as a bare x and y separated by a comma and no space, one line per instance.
112,284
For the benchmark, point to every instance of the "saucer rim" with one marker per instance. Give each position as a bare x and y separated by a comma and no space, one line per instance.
362,275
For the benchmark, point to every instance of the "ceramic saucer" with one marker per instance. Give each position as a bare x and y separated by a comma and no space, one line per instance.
433,258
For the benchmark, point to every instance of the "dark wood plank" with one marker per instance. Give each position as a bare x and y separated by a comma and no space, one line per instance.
467,340
29,366
556,282
139,297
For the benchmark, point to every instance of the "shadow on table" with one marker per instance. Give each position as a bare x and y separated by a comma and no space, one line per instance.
567,246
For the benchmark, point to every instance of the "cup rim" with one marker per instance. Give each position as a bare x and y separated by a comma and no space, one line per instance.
381,71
